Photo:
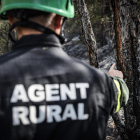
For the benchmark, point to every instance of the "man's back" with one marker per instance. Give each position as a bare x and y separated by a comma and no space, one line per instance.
45,94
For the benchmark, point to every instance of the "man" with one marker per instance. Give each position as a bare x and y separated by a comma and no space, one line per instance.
44,93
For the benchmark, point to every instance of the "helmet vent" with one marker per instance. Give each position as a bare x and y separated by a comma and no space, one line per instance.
67,4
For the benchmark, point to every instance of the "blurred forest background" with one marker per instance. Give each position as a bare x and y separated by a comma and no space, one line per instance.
99,11
100,16
103,24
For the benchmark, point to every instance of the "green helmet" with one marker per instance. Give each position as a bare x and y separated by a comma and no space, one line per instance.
61,7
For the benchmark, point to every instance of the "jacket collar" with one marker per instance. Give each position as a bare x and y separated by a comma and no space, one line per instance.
50,40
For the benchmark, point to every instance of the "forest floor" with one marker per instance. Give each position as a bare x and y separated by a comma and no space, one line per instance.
76,48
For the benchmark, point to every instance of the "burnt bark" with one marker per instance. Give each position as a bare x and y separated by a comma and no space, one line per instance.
126,46
88,32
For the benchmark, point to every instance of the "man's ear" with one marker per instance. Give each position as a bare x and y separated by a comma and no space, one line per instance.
10,19
58,21
57,24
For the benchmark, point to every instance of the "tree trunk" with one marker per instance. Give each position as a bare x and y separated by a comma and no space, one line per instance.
88,32
125,17
102,25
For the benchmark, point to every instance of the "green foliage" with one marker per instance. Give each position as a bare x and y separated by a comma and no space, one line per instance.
4,39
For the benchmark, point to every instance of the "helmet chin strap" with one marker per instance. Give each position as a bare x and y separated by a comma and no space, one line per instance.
63,25
35,26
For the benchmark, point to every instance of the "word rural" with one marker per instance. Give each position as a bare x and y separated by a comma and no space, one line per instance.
50,93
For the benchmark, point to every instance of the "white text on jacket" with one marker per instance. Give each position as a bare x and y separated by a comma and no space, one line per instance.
50,103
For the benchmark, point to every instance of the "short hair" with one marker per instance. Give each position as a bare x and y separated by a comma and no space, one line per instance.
27,13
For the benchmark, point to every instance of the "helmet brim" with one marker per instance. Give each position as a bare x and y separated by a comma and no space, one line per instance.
44,8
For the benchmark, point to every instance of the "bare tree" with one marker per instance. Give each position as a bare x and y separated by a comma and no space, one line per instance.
126,22
88,32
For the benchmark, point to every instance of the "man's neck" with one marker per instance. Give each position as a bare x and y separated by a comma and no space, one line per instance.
22,31
27,31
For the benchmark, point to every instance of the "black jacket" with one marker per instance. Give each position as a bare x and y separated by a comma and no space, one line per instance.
47,95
